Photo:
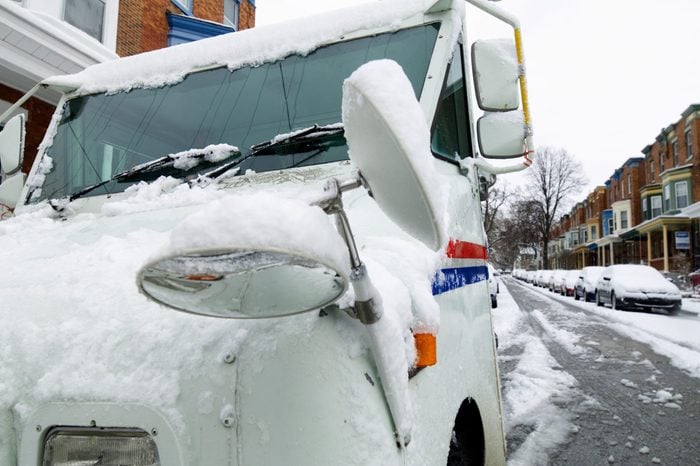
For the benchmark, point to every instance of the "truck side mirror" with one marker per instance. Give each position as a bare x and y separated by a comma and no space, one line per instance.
501,135
502,130
11,154
496,73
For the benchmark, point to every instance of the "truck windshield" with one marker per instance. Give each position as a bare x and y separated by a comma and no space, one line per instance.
102,135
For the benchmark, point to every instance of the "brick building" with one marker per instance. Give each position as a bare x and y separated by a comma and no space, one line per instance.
70,35
649,209
149,25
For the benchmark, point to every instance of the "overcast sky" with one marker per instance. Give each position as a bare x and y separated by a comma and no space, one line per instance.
605,76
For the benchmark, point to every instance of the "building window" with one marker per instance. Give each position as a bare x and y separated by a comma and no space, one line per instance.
681,194
622,189
185,5
662,156
231,13
611,225
688,144
594,232
675,153
629,185
655,206
651,170
667,198
623,220
86,15
645,208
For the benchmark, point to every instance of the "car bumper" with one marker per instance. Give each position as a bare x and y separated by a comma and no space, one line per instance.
651,303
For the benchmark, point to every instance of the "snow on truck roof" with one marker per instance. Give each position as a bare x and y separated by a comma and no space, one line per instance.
249,47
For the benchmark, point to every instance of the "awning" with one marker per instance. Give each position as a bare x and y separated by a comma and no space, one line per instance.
34,46
630,234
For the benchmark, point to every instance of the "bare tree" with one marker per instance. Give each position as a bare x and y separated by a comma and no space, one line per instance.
492,209
514,229
556,176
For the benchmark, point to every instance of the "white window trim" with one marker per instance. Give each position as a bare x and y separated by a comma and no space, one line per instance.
685,186
104,19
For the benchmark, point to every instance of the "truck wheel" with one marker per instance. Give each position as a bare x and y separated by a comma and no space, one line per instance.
467,441
614,305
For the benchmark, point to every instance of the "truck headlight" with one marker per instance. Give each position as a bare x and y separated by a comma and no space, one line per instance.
82,446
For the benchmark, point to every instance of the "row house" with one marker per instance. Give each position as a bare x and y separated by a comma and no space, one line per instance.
648,211
670,223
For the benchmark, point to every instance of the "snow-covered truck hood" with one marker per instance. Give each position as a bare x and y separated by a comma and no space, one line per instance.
75,325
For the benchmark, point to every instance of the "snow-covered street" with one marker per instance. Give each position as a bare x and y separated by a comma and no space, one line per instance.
588,385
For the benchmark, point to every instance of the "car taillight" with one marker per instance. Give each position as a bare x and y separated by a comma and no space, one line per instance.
77,446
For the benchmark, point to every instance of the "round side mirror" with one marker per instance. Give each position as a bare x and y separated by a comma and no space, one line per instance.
242,284
389,141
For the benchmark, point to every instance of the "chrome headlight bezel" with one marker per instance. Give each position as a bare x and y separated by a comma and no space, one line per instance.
74,445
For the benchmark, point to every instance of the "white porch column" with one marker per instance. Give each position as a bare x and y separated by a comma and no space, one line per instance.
665,248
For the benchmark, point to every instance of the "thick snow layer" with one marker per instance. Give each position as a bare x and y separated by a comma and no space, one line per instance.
249,47
628,280
76,326
262,221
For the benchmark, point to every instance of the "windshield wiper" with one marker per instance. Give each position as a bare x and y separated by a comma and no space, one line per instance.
182,160
316,138
310,139
303,140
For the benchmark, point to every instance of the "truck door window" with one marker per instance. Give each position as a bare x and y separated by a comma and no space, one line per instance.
101,135
451,138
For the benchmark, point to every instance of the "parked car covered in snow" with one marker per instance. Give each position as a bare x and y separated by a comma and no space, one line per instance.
586,282
241,250
493,286
628,286
554,281
568,283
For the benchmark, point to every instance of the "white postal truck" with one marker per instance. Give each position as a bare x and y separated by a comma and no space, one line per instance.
264,248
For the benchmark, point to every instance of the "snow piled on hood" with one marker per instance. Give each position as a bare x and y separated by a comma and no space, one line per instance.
629,278
75,327
262,221
249,47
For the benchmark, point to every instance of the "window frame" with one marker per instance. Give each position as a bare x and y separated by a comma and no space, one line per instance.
236,14
102,24
458,52
674,146
624,221
677,185
660,208
667,198
186,6
688,144
646,201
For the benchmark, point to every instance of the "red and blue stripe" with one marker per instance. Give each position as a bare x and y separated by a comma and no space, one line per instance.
469,266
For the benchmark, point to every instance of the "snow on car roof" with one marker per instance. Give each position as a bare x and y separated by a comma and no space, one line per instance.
249,47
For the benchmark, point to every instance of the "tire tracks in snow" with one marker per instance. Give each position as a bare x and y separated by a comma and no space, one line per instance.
613,407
